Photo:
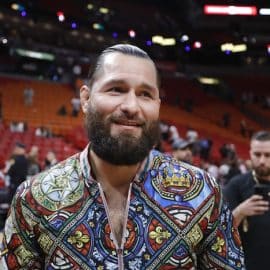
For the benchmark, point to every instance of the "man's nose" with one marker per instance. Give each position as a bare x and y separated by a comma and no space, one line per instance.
262,159
130,103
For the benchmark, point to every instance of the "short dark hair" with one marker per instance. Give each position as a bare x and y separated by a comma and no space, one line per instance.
261,135
126,49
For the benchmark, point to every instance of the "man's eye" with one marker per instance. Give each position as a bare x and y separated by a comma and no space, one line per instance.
146,94
116,90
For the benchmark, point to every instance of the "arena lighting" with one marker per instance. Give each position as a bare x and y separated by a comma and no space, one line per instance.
184,38
230,10
132,33
268,48
15,6
163,41
157,39
4,40
103,10
187,48
206,80
98,26
197,45
61,16
264,11
168,42
233,48
149,43
73,25
35,54
115,35
90,6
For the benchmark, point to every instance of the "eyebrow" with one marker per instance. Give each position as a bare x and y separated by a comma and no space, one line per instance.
123,82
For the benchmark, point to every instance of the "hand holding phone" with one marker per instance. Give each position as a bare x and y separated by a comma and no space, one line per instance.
263,190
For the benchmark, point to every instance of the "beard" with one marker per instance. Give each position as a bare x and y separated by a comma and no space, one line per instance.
122,149
262,172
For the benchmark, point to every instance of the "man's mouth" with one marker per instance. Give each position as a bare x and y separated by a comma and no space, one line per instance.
128,123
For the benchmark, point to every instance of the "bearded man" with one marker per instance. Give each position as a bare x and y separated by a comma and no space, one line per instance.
120,204
248,197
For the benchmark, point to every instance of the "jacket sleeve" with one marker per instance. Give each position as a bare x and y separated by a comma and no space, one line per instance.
222,247
18,247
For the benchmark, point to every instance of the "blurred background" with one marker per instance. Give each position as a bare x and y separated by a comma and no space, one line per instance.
213,57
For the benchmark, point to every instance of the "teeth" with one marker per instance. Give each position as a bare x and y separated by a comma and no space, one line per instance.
129,123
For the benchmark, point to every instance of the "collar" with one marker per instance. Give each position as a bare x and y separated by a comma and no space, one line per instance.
86,168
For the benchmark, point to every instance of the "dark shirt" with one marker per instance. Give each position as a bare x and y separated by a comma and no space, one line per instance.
256,241
18,170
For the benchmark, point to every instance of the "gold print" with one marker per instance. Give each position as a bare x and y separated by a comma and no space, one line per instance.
23,255
159,235
177,181
78,239
45,242
218,245
195,235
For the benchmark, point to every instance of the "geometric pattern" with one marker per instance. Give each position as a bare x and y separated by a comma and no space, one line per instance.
176,220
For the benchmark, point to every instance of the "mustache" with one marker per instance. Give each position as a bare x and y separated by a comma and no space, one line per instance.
125,119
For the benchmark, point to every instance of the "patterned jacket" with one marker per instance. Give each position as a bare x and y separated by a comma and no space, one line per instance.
175,220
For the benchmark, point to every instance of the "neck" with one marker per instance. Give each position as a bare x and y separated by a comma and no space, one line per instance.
114,175
258,178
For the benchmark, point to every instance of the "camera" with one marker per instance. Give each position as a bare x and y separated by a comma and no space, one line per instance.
263,190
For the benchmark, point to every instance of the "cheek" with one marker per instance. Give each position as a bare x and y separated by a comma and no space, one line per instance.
104,106
151,112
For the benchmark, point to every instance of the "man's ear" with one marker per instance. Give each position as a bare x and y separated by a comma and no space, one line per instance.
84,96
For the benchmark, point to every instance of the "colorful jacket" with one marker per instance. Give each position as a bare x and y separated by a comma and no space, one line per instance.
175,220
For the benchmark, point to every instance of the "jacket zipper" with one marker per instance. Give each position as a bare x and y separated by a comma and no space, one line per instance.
119,249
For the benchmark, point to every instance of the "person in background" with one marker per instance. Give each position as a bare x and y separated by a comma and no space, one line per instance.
50,160
28,95
17,168
120,204
76,106
33,161
250,207
182,150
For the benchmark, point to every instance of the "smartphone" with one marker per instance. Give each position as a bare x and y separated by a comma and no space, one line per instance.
263,190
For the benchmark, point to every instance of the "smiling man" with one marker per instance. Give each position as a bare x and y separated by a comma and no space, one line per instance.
120,204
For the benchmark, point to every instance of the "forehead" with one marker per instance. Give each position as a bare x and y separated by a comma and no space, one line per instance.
260,146
121,66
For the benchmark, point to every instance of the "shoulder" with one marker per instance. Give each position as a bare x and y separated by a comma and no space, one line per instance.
181,179
241,179
58,187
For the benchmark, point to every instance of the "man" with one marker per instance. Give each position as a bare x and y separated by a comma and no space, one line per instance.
251,210
119,204
182,150
17,167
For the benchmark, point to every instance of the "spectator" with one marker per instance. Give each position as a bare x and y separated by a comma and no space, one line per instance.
182,150
76,105
62,111
243,128
28,95
43,132
205,148
251,211
50,160
18,166
33,161
192,135
226,119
